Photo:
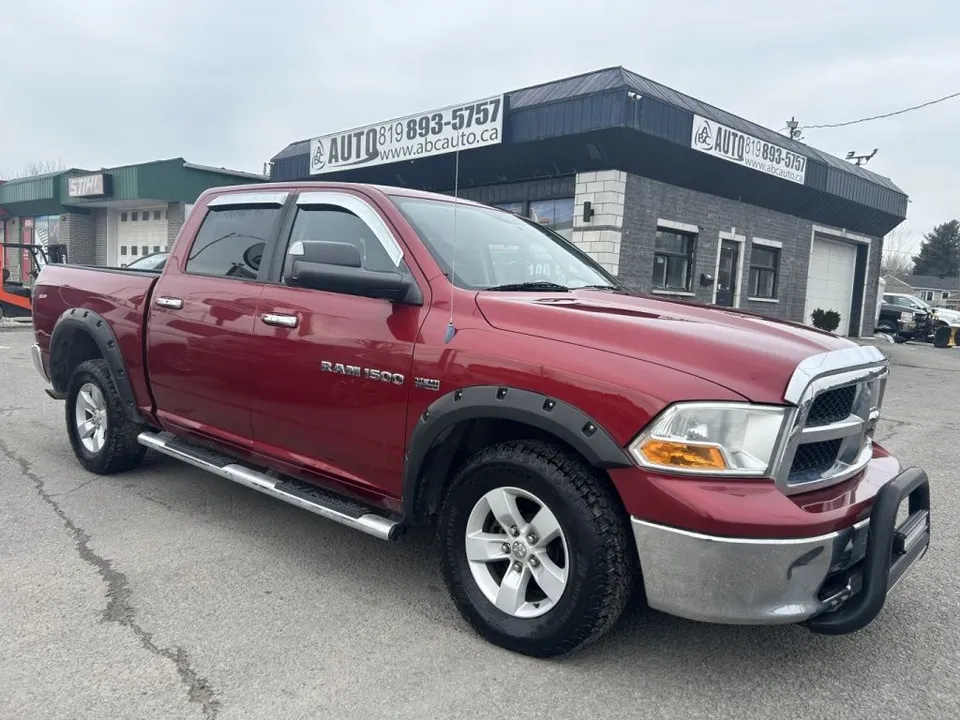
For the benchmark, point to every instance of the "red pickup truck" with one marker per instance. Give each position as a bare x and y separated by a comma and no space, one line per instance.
389,359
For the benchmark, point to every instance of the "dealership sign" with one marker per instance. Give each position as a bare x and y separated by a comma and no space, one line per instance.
88,185
458,127
729,144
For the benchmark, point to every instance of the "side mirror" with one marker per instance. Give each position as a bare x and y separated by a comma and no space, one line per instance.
328,253
336,267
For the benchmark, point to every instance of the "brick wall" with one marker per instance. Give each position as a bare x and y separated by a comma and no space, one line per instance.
175,217
648,201
868,322
601,235
77,232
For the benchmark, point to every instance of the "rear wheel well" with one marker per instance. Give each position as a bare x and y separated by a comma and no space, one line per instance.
455,445
74,347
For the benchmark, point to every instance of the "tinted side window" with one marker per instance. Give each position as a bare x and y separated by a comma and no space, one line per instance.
231,241
334,224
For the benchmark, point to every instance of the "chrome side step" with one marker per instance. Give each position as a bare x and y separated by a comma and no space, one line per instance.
308,497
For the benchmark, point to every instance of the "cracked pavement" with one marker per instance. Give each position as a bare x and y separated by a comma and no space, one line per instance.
167,593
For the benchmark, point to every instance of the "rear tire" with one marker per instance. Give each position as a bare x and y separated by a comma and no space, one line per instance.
539,596
103,438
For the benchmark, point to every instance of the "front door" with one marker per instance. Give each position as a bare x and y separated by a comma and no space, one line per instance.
727,273
332,371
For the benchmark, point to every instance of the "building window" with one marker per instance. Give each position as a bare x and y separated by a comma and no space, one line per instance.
134,216
123,217
133,249
156,248
926,295
123,249
156,214
764,269
517,208
673,260
554,214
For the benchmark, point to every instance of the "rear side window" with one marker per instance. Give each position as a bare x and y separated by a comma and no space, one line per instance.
231,242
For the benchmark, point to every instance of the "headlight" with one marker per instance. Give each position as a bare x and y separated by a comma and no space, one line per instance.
711,439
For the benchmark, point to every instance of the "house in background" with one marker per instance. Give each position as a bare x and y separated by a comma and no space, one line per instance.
893,284
936,290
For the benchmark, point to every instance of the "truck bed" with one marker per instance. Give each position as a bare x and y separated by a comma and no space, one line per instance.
119,295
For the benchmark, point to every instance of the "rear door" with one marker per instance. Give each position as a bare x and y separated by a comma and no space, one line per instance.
200,328
316,398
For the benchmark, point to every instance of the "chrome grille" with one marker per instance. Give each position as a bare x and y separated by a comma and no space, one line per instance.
813,459
830,437
832,406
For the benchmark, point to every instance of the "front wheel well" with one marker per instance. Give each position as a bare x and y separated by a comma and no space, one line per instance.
73,347
455,445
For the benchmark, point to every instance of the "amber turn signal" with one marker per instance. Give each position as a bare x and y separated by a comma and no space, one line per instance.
676,454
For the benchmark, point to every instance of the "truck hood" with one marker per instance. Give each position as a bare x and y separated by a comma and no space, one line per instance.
749,354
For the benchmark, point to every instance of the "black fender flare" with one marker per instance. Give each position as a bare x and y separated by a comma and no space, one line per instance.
561,419
94,325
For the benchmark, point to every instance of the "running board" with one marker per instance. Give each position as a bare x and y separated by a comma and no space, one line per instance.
302,495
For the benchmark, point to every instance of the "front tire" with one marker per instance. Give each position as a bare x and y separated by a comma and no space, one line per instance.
103,438
535,548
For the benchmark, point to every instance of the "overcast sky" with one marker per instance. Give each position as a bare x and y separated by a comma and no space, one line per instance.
229,83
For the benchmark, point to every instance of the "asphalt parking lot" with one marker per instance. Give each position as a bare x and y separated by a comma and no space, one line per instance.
168,593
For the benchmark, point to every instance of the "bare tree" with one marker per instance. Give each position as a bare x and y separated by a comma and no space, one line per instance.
37,167
899,247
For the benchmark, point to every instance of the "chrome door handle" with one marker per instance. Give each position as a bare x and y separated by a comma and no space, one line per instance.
287,321
170,302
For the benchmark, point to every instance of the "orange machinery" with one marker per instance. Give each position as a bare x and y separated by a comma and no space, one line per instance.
15,295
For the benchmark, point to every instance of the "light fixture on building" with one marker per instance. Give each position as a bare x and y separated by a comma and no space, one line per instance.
587,211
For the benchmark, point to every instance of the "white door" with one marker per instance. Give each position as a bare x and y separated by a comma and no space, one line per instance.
140,232
830,280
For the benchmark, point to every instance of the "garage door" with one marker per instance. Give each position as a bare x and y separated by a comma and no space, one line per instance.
141,232
830,281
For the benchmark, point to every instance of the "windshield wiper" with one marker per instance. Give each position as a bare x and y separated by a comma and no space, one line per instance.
535,285
612,288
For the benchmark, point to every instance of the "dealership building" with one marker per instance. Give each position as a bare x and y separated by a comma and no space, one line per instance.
109,216
674,196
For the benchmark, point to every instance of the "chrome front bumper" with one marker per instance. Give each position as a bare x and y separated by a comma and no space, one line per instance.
776,581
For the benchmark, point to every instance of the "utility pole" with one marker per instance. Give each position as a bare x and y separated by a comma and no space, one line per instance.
794,129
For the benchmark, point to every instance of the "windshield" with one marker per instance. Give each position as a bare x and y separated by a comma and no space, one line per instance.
906,301
494,248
